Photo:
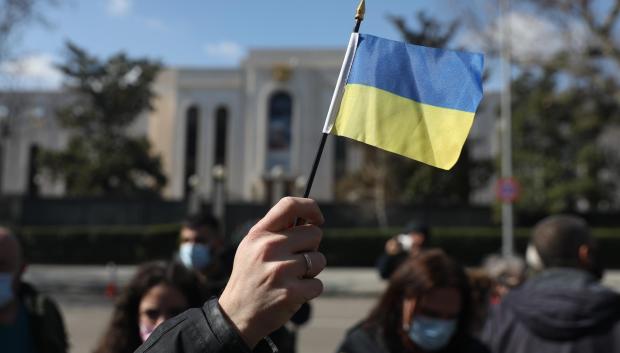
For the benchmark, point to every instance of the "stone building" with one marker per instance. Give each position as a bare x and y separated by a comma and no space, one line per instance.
253,129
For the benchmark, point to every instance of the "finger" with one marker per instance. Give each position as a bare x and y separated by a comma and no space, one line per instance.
309,288
310,268
299,267
303,238
286,211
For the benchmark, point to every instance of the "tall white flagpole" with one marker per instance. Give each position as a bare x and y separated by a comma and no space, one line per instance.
506,127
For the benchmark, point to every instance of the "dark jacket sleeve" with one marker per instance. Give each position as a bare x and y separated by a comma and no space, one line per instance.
497,328
54,328
387,264
47,325
205,329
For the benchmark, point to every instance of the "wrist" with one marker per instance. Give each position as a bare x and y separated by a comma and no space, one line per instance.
239,322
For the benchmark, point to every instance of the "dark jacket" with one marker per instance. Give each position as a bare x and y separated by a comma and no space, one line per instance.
387,264
46,324
560,310
371,340
199,330
196,330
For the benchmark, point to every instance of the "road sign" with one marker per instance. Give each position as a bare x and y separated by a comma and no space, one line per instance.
508,189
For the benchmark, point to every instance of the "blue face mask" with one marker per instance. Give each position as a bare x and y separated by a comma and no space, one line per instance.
196,256
6,288
431,334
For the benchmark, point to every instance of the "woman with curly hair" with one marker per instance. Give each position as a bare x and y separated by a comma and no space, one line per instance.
157,292
425,308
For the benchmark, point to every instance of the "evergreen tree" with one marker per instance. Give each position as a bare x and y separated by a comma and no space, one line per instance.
566,112
102,158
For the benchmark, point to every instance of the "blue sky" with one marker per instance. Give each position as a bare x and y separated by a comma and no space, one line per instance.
195,33
207,33
211,33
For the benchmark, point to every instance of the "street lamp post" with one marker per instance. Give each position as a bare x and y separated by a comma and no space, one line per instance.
219,195
4,134
194,198
506,128
300,185
277,183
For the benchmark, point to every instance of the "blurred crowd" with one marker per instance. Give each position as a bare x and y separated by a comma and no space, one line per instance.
549,301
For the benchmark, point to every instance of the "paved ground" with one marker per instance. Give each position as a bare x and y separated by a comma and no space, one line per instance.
331,318
79,290
349,295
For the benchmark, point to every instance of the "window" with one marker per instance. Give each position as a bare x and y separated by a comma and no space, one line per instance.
279,131
221,130
191,143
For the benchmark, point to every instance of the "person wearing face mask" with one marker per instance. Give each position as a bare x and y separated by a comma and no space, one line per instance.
563,307
425,308
202,248
414,238
157,292
29,321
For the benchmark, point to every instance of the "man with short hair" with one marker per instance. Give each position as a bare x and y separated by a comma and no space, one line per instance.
202,248
29,322
563,308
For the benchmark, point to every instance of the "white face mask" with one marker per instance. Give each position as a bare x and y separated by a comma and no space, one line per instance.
195,255
431,334
6,288
532,257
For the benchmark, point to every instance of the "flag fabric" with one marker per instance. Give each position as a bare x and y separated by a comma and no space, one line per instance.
412,100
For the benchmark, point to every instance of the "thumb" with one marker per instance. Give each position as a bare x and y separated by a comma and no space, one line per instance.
286,211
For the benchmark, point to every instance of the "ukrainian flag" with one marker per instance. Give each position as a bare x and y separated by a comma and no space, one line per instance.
416,101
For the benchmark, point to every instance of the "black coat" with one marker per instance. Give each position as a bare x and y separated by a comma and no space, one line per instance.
46,323
362,339
388,264
560,310
196,330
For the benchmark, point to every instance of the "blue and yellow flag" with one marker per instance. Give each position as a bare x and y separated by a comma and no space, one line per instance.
416,101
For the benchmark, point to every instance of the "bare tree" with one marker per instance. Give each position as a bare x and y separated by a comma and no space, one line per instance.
14,16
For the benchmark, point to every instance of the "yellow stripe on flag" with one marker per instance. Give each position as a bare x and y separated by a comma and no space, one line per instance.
426,133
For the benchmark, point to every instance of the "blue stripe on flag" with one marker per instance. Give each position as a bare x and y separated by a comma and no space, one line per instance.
443,78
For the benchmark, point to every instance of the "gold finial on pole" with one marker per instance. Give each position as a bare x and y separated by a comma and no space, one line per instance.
361,10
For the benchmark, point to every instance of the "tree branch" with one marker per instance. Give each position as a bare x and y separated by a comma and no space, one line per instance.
611,19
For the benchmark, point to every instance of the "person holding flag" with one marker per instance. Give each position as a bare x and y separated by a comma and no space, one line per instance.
416,101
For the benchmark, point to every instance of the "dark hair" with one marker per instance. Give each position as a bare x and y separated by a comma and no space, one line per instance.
197,220
414,278
558,238
418,227
122,334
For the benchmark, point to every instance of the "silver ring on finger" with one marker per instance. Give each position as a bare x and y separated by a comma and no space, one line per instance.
308,265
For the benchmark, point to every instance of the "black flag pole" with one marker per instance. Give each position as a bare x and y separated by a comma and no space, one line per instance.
359,17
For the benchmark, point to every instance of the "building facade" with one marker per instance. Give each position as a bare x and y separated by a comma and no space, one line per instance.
252,131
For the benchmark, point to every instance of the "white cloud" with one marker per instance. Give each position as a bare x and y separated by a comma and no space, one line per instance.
226,51
119,7
35,71
532,37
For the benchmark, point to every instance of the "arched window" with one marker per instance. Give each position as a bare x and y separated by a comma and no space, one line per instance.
221,131
191,143
279,131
